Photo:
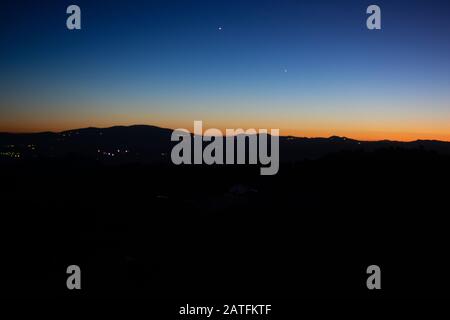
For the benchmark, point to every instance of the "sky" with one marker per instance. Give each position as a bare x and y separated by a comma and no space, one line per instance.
308,68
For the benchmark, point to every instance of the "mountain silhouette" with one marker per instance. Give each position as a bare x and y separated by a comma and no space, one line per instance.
111,201
144,143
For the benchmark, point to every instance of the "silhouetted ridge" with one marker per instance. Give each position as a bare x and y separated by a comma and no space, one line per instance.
145,143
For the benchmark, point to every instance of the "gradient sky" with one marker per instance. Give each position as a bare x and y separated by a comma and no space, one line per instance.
310,68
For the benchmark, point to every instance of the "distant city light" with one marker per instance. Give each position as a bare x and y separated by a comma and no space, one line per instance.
10,154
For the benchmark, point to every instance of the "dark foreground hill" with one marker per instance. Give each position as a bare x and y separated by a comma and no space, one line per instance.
156,230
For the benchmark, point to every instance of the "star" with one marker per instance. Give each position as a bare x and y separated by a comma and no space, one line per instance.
220,28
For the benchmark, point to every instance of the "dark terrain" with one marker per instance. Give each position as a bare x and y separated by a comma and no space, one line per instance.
139,226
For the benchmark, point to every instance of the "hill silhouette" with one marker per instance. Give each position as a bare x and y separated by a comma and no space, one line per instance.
145,143
144,227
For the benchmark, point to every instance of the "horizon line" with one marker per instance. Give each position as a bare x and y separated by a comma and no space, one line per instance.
164,128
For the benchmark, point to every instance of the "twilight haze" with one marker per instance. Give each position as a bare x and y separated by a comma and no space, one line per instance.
307,68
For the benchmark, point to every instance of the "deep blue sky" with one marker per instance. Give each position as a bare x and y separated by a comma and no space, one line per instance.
306,67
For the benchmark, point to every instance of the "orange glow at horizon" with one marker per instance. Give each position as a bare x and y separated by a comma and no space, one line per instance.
359,131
